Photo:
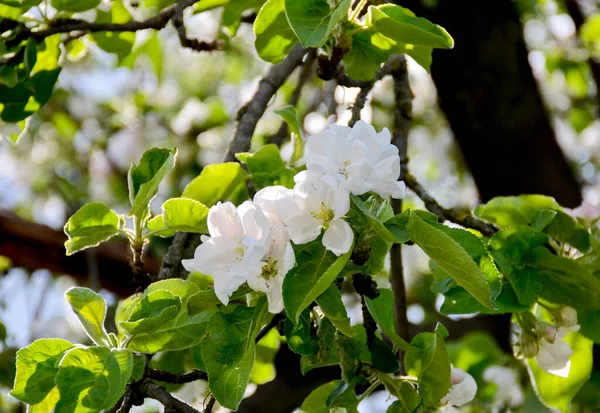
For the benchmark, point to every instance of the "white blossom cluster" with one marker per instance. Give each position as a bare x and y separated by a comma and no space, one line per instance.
551,352
252,243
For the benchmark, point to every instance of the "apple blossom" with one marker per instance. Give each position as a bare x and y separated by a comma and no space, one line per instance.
243,247
461,392
320,202
362,158
508,391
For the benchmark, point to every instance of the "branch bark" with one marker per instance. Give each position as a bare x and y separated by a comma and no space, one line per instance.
175,378
156,392
402,121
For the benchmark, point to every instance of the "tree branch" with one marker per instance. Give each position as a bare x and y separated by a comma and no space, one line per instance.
156,392
402,121
249,114
175,378
194,44
459,217
273,323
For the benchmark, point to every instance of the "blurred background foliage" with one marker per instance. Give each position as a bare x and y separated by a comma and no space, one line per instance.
115,98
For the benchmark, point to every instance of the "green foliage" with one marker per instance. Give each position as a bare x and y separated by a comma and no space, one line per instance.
267,168
92,224
90,308
74,6
180,214
332,306
408,399
382,310
429,361
216,183
119,43
506,211
313,21
274,36
143,179
480,279
312,276
229,352
290,116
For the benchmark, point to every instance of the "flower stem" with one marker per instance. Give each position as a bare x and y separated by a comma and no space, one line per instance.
356,12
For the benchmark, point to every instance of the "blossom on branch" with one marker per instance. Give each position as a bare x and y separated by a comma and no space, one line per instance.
462,391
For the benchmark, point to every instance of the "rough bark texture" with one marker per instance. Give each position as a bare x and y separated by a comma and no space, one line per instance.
492,102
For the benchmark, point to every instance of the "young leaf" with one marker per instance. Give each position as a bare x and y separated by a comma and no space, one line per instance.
267,167
352,352
229,350
92,224
316,402
398,225
274,36
566,230
332,306
143,179
300,336
402,25
325,354
455,260
557,392
429,361
37,366
180,214
290,116
92,379
382,357
506,211
313,20
90,309
382,310
151,311
216,183
408,398
364,58
314,272
232,13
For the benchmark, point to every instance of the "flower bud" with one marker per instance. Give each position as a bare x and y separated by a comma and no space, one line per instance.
568,316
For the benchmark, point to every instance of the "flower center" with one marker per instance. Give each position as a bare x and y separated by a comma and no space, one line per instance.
325,214
240,250
269,270
343,170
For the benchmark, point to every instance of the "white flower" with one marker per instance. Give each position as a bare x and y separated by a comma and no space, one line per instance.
447,409
243,247
568,317
508,391
362,158
554,353
319,202
461,392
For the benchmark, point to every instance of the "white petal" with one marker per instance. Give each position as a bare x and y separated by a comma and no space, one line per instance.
553,356
223,221
274,295
254,221
461,393
275,201
225,285
387,169
339,237
563,331
358,185
342,201
304,228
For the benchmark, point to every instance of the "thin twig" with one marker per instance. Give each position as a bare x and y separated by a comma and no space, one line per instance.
156,392
194,44
265,330
366,87
402,121
249,114
460,217
175,378
210,405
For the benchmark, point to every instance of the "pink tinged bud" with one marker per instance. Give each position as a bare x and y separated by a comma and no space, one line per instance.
550,334
458,375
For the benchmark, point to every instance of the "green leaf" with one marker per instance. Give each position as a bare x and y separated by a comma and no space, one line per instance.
316,402
429,361
216,183
402,25
274,36
506,211
353,352
382,310
93,224
313,20
557,392
119,43
398,225
152,311
91,379
143,179
565,281
180,214
229,352
566,230
382,357
37,366
590,324
479,280
267,167
263,370
332,306
299,336
233,10
325,354
184,330
90,309
24,99
364,58
314,272
74,6
206,5
290,116
139,365
408,399
476,349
